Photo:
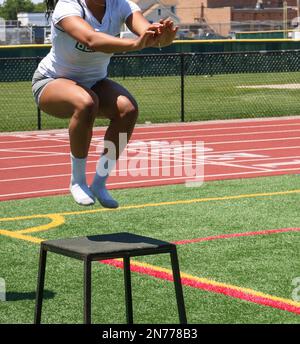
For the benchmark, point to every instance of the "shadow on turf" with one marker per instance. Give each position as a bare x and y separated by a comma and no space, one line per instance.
30,295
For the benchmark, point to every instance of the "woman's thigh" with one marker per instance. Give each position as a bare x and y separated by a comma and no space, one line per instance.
63,97
114,100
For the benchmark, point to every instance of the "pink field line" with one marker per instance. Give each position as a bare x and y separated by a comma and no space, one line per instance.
236,235
215,287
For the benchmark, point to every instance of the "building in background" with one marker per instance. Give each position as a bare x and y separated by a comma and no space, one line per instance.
39,25
155,10
33,19
2,31
224,16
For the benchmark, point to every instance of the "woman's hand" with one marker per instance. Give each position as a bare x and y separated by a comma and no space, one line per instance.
159,34
168,33
149,38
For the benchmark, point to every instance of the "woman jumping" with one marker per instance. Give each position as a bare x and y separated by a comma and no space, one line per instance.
71,81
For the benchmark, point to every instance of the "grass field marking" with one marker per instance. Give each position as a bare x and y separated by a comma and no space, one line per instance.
56,221
219,284
187,279
148,205
230,290
58,218
20,236
181,202
236,235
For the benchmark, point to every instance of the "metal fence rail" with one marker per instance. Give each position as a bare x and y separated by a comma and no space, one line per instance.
173,87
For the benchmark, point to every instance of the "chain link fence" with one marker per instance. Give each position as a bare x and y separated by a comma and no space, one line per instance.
173,87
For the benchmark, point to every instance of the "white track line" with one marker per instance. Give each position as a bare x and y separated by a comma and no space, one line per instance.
35,192
40,166
256,149
238,165
254,141
66,144
258,159
50,154
149,181
148,168
207,161
259,120
207,143
136,132
21,141
115,173
30,148
213,152
225,134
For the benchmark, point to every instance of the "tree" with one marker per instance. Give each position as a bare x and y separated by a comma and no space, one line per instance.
40,7
11,8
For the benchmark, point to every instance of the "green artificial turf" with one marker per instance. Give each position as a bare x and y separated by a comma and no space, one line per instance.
264,263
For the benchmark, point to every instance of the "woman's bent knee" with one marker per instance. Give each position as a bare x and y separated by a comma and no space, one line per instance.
87,105
86,109
127,108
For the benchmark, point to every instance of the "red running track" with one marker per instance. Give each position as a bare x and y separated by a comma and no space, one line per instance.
34,164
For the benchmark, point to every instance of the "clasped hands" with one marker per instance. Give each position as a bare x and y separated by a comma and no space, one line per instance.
159,34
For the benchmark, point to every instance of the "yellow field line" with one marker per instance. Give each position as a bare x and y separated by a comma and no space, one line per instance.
150,205
58,218
16,235
186,41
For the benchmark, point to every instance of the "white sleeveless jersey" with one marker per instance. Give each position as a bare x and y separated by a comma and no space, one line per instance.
71,59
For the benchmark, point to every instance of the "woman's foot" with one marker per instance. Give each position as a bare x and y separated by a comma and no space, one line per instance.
82,194
103,196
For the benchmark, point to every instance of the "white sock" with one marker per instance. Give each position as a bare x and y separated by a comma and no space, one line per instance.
78,187
98,187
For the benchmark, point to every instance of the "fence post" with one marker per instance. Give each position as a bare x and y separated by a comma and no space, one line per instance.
39,118
39,114
182,87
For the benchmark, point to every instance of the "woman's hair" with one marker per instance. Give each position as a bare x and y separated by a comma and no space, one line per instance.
50,5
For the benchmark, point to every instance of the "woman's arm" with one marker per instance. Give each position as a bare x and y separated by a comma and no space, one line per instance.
137,23
80,30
